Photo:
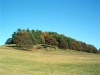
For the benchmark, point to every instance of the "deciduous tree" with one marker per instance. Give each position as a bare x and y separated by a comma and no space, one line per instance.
24,40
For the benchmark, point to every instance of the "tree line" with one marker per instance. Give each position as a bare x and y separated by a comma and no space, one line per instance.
25,39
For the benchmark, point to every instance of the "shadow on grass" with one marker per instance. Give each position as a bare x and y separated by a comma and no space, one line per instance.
17,48
11,46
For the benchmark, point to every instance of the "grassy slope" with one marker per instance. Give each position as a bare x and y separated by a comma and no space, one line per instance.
42,62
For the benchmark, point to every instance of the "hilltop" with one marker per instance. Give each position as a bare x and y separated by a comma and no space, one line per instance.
25,39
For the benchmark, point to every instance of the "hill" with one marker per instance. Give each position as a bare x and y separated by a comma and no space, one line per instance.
43,62
25,39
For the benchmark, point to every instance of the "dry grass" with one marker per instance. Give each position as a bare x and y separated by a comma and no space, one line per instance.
43,62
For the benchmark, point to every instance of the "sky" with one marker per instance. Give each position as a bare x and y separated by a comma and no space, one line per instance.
78,19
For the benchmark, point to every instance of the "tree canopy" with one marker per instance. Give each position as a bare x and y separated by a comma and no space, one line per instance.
27,38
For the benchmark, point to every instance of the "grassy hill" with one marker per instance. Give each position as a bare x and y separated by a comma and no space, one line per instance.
43,62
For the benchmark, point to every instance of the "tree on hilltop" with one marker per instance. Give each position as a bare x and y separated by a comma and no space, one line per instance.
23,39
9,41
62,44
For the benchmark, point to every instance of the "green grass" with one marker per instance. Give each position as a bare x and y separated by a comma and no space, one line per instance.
43,62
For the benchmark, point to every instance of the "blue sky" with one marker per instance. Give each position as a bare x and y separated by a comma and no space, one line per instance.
79,19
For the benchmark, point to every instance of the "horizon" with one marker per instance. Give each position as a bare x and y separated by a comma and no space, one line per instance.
77,19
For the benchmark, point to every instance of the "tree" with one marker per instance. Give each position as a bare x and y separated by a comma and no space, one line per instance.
28,30
9,41
14,35
84,45
24,40
75,45
68,41
91,49
22,37
99,51
62,43
42,38
38,36
34,41
50,40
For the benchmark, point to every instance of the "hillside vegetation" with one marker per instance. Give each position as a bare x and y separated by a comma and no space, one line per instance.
25,39
43,62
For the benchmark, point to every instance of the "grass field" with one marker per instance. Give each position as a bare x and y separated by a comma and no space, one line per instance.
43,62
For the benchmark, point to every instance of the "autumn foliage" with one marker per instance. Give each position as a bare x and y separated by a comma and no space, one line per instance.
25,39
